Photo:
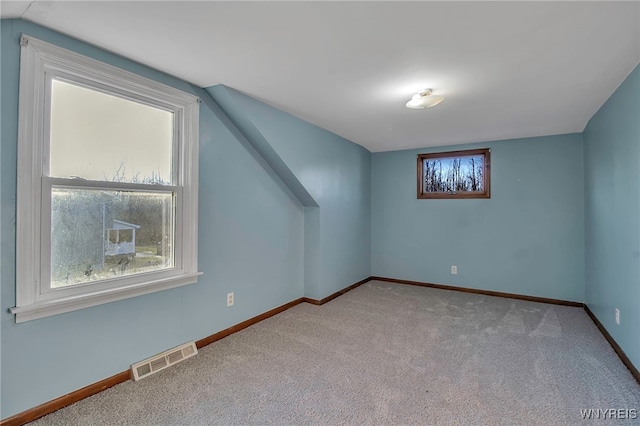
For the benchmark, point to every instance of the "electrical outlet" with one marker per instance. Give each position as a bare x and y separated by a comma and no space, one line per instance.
454,269
617,316
229,299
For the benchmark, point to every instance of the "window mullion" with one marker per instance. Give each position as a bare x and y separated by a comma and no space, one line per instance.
111,186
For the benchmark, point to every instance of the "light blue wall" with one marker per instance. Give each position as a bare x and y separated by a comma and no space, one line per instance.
612,202
251,236
526,239
334,171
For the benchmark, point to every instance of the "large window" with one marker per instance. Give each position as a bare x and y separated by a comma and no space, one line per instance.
107,183
455,174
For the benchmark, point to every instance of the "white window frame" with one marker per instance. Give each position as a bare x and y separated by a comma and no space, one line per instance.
39,63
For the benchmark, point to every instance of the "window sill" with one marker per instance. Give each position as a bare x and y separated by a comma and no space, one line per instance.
59,306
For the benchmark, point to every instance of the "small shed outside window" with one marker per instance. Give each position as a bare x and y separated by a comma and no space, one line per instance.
120,238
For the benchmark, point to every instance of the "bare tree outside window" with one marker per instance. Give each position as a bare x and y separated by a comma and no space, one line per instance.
454,174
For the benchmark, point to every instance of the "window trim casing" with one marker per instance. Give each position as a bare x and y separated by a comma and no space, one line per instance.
486,152
36,60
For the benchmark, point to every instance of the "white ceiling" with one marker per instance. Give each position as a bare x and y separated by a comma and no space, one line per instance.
507,69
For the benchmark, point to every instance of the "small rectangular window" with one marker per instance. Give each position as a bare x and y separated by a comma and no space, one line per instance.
455,174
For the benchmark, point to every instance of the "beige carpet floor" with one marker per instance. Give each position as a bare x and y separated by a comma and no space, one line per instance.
385,354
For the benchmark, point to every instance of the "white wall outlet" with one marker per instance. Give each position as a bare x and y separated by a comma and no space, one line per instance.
617,316
454,269
229,299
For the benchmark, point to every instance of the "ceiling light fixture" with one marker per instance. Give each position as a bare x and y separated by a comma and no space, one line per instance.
424,99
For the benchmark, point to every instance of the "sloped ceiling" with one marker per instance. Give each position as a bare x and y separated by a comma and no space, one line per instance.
507,69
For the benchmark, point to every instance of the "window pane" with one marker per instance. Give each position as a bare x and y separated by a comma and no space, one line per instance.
454,174
99,234
97,136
